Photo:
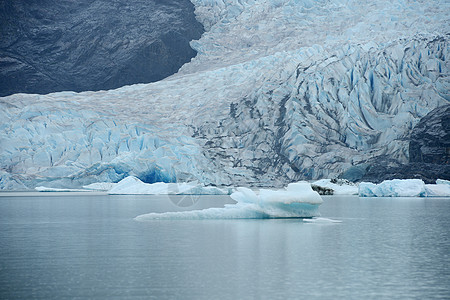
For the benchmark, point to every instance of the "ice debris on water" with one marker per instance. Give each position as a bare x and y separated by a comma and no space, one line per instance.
298,200
133,186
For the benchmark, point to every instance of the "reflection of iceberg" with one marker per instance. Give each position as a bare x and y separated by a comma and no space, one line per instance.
298,200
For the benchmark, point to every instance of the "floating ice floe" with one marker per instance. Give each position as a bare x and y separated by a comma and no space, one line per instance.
133,186
440,189
338,187
321,221
403,188
298,200
49,189
99,186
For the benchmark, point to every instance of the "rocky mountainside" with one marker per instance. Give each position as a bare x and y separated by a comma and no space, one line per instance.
429,153
90,45
430,138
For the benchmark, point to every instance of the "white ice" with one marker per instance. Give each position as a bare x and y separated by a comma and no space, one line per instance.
298,200
437,190
99,186
133,186
403,188
339,189
321,221
49,189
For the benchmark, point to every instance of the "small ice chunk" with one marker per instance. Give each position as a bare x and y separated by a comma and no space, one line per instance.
321,221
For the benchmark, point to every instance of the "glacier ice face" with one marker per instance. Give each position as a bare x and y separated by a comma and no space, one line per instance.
280,91
298,200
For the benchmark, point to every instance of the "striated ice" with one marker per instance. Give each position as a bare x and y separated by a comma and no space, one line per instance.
298,200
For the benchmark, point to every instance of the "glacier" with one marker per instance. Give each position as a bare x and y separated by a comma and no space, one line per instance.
297,200
280,91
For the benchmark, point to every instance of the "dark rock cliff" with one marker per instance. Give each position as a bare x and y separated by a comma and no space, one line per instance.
55,45
430,139
429,152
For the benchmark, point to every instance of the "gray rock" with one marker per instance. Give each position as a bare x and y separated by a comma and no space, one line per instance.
430,139
429,152
49,46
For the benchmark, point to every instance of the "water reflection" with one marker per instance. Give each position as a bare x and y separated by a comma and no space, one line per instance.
90,247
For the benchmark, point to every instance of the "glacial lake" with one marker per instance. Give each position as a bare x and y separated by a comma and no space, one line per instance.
84,246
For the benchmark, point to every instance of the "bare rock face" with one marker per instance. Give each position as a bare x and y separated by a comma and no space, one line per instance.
430,139
429,152
56,45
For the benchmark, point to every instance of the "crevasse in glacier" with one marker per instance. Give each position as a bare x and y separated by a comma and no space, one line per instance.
280,91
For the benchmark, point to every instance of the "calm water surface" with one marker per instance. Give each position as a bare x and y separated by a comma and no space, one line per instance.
59,246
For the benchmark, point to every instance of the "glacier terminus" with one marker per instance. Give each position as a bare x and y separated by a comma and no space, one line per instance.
280,91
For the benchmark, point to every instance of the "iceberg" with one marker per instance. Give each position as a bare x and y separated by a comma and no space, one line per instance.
443,181
339,187
393,188
99,186
133,186
437,190
49,189
298,200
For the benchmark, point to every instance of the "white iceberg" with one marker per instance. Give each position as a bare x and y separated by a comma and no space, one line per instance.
99,186
298,200
437,190
49,189
404,188
133,186
443,181
338,187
